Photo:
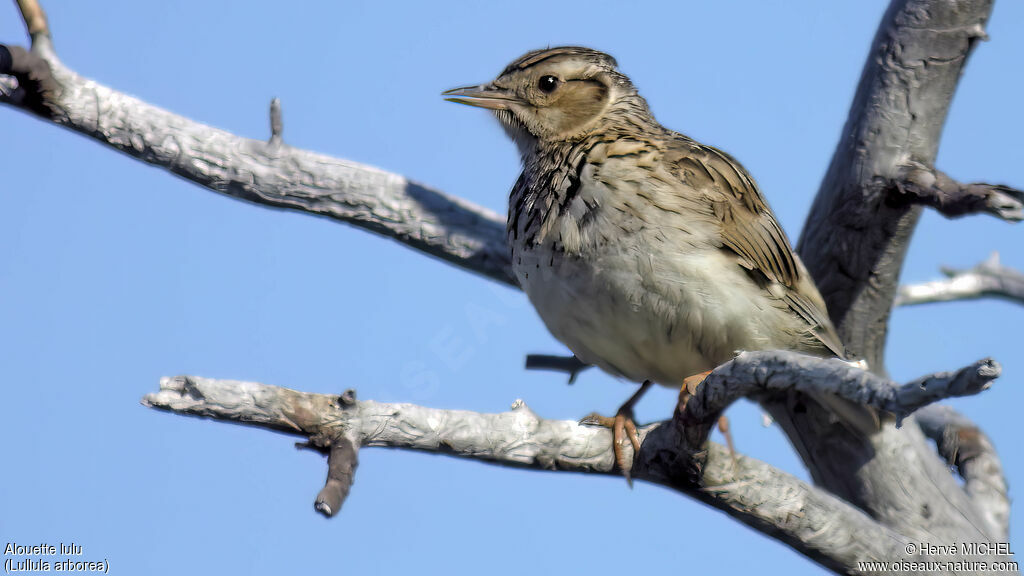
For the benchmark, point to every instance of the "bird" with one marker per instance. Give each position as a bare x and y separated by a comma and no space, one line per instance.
648,254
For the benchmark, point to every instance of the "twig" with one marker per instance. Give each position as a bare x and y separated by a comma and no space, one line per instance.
901,99
988,279
342,460
276,124
571,365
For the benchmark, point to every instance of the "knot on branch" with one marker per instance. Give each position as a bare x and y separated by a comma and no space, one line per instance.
37,89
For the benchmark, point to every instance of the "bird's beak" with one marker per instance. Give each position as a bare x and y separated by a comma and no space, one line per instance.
484,96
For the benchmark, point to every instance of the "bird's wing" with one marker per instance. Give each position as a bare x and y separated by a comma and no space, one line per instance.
749,229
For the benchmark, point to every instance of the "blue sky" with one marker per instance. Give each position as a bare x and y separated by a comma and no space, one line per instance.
113,274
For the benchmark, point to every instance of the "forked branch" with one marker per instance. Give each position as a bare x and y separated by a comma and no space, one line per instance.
752,491
987,279
915,63
810,520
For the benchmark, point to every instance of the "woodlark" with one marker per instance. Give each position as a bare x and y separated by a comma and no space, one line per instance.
648,254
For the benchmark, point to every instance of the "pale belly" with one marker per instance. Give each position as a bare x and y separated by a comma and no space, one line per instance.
659,317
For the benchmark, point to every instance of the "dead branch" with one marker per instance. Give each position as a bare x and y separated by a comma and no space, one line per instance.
815,523
987,279
930,187
966,447
854,244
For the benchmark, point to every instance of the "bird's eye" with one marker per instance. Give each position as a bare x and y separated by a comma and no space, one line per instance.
547,84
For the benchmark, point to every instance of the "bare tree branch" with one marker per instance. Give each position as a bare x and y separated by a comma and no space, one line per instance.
568,364
267,173
987,279
339,425
965,446
815,523
855,237
929,187
756,374
854,244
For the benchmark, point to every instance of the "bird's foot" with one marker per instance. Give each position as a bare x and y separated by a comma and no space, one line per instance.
623,427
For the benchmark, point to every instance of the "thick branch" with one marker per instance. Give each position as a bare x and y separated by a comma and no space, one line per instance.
752,491
929,187
854,243
814,522
965,446
988,279
854,239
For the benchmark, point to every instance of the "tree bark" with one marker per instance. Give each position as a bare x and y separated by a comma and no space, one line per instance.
815,523
854,242
988,279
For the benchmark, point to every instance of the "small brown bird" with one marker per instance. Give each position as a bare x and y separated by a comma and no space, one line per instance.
645,252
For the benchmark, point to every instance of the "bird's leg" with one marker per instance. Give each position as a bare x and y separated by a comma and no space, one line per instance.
623,427
723,427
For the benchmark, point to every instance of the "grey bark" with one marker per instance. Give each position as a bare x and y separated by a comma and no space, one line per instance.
929,187
756,374
988,279
815,523
855,237
965,446
854,243
275,174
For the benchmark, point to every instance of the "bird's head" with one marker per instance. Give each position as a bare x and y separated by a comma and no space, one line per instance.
552,95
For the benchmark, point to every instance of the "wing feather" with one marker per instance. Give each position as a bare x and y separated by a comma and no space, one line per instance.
750,230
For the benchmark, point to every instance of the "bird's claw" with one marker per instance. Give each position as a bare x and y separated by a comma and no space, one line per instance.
622,427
